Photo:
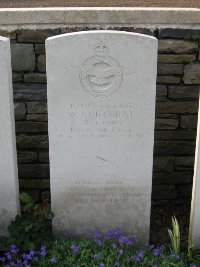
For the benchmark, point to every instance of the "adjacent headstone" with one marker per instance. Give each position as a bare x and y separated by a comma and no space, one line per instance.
101,104
194,234
9,195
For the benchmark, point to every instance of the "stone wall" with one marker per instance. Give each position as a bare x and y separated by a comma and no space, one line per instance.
176,112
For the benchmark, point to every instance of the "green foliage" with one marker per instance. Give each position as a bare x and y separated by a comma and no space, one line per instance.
33,227
110,249
111,253
190,247
31,232
93,255
174,235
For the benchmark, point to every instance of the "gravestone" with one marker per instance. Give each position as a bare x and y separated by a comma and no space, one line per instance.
9,206
194,233
101,104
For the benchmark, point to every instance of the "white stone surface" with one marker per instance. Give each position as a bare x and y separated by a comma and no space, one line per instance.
194,233
53,17
9,206
101,104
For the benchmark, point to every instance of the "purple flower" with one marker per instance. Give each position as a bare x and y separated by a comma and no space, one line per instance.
14,249
109,235
98,234
32,252
126,241
43,253
2,259
43,247
53,260
130,242
19,262
193,265
151,246
96,256
121,251
117,232
29,256
101,264
98,242
75,249
139,255
8,256
123,239
156,252
114,245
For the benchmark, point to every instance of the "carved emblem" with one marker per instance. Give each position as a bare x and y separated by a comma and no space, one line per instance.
101,75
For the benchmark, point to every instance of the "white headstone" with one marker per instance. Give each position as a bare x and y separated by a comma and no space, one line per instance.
9,195
101,104
194,233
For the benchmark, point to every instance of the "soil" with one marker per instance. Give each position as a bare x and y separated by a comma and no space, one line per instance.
161,220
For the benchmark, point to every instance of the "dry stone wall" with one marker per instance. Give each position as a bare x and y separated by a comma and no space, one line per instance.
178,84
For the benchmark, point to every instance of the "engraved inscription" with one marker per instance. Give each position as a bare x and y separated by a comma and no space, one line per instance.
89,120
88,191
101,75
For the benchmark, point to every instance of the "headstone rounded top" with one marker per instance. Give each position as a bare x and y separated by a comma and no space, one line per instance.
99,32
4,39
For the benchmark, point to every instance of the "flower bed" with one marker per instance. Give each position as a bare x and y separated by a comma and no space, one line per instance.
98,249
32,244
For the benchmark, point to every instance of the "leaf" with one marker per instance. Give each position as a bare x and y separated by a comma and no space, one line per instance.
174,235
28,227
25,198
28,245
